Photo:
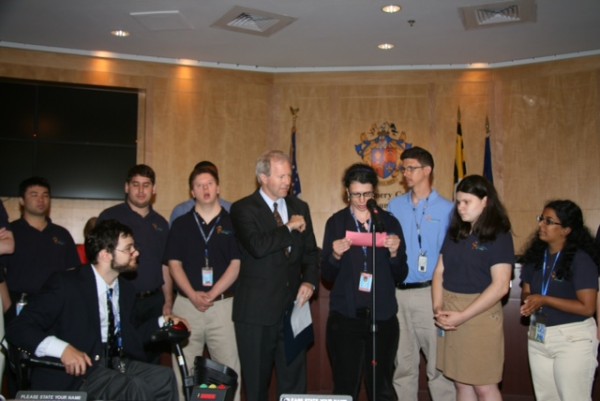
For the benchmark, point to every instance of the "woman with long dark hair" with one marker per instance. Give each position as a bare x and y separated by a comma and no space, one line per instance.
560,286
472,276
355,283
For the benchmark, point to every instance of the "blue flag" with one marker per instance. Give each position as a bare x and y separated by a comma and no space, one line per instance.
487,157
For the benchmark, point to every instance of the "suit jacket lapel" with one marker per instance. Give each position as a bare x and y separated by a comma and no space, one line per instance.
90,294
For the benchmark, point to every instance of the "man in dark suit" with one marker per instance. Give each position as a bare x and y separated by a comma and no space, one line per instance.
278,266
70,319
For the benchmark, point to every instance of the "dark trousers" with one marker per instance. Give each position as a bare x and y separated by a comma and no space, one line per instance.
261,347
151,308
140,382
350,346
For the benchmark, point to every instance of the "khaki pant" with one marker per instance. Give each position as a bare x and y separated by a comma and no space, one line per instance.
418,333
213,328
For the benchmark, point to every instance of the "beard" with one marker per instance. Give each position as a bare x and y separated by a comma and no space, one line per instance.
130,267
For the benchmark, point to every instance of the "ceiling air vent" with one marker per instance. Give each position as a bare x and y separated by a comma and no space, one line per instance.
171,20
254,22
495,14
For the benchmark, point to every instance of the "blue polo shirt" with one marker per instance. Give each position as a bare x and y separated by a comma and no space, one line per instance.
37,255
187,245
150,236
431,218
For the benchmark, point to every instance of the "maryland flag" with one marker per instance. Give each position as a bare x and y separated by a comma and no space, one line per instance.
460,166
487,156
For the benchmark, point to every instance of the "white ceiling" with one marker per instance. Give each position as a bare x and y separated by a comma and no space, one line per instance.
326,35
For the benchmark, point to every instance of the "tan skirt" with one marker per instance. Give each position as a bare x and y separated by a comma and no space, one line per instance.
474,353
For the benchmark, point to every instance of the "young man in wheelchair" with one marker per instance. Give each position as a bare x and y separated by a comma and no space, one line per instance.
84,317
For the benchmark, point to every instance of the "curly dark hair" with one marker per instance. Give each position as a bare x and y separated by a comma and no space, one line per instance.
579,238
493,220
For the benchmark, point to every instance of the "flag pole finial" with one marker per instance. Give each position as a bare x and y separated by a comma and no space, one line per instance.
294,112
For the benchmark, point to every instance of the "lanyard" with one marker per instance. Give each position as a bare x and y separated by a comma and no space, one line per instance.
419,223
364,248
206,237
546,281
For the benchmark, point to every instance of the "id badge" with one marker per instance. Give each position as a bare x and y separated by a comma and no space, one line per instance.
365,283
537,328
422,264
207,276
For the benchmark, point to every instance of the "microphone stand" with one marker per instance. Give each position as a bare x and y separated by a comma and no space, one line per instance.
373,321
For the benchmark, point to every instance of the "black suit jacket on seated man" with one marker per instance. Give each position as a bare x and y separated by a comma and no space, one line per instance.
67,308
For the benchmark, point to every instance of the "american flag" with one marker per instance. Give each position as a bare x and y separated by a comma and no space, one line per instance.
296,188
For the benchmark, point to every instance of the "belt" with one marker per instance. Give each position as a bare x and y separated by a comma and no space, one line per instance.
147,294
412,286
225,295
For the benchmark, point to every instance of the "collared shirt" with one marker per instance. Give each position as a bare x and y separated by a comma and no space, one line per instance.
54,347
431,218
189,204
150,234
37,255
3,216
281,205
188,246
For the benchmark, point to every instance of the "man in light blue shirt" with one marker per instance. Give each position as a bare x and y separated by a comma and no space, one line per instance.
189,204
424,215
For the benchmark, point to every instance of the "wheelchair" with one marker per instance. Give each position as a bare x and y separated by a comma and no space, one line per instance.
208,372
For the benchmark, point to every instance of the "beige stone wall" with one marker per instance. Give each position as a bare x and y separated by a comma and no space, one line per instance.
544,121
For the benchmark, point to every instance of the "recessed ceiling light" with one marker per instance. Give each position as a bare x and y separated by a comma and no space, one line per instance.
386,46
119,33
391,8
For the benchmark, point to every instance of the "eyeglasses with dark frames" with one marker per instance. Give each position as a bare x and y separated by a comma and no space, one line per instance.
365,195
130,249
409,169
547,221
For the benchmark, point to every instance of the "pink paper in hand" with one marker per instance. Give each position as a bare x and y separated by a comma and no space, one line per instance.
366,239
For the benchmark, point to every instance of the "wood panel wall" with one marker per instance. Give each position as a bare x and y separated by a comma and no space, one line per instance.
544,121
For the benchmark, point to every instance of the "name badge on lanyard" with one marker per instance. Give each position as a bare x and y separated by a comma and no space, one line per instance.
207,270
537,324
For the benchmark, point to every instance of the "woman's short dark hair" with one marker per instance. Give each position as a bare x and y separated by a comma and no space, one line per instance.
360,172
580,238
493,220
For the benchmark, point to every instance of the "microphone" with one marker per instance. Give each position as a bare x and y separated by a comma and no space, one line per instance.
375,215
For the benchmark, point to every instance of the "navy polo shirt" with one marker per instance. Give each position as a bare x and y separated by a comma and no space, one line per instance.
3,216
186,244
584,275
150,236
468,262
3,224
37,255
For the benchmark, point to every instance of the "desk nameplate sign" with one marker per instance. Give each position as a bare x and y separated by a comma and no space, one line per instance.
314,397
52,395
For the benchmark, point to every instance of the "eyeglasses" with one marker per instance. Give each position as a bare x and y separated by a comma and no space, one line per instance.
547,221
130,249
365,195
409,169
